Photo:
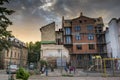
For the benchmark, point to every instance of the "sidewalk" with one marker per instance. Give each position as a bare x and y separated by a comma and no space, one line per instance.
78,73
38,77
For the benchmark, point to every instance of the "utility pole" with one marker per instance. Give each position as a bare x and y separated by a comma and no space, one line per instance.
20,63
61,61
9,72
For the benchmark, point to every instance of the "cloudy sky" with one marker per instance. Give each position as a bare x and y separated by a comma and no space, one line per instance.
30,15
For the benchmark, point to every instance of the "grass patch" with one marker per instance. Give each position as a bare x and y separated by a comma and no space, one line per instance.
67,75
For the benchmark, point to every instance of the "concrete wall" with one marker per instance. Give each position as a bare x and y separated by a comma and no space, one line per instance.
108,43
114,39
48,32
51,50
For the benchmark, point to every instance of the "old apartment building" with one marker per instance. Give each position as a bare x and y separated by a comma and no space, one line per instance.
16,54
84,38
50,50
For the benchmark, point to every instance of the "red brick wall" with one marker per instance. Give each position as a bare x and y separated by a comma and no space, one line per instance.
84,37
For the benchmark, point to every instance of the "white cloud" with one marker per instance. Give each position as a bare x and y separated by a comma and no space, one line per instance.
47,5
23,8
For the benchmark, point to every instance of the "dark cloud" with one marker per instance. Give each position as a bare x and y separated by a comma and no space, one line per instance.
30,8
41,12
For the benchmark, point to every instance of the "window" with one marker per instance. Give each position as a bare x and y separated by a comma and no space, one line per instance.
77,28
90,36
11,54
68,39
85,20
7,54
91,46
77,37
80,21
79,47
67,31
18,55
89,27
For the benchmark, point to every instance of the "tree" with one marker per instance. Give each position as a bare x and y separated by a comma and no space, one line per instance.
33,51
4,23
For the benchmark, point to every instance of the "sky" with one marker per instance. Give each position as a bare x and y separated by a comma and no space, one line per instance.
30,15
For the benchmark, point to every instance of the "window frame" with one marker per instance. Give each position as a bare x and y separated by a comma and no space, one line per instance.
90,27
78,37
77,28
67,30
91,46
79,47
90,36
68,40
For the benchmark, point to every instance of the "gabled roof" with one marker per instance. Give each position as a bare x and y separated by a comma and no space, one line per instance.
46,25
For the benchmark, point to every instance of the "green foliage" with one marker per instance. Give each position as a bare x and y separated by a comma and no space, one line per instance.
33,51
22,74
67,75
4,23
43,62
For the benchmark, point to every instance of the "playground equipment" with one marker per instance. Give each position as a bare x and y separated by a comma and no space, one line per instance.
96,64
111,67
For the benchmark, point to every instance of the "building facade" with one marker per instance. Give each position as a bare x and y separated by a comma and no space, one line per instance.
16,54
84,38
113,38
50,50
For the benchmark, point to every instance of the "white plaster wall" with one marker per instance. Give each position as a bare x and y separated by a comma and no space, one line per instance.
113,35
51,50
107,37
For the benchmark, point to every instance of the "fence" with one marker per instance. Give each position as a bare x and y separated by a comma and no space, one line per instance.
111,67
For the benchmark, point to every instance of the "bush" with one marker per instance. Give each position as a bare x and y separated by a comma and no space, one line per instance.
22,74
43,62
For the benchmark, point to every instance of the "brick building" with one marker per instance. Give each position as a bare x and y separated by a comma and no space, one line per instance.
84,38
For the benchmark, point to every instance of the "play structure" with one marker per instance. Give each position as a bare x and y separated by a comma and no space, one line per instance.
95,64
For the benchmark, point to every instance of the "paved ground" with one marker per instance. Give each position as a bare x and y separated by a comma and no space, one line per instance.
3,75
56,75
38,77
79,75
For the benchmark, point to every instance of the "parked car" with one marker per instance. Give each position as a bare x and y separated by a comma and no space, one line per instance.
12,69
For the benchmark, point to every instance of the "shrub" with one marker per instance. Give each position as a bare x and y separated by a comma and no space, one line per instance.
22,74
43,62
